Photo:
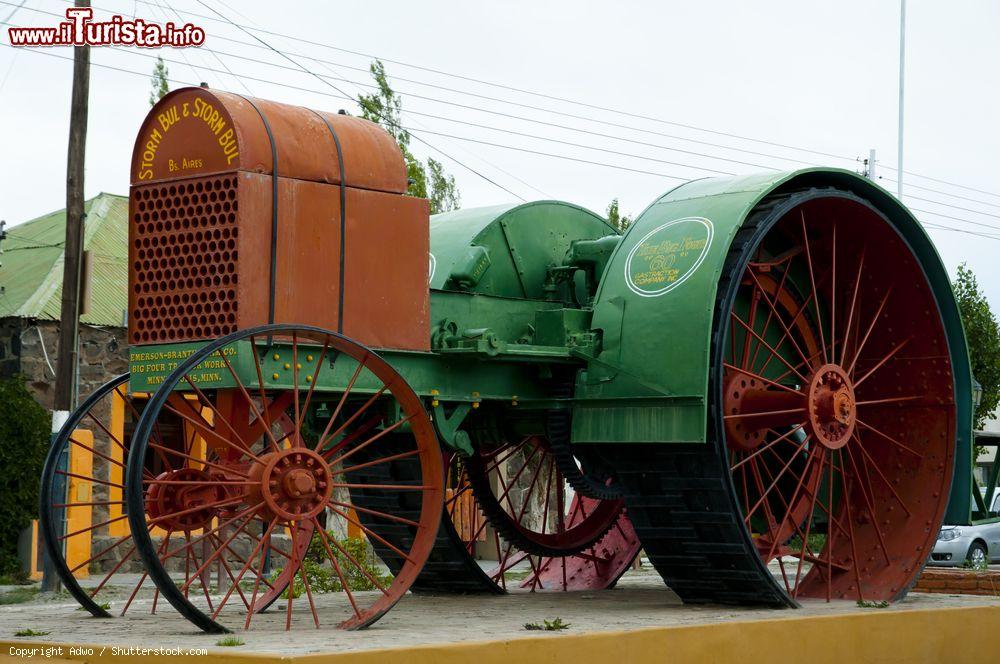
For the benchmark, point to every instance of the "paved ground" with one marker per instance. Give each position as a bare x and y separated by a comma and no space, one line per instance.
641,600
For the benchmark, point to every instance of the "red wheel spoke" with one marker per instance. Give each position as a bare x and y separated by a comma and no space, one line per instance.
809,521
92,504
850,310
759,288
93,527
89,479
191,510
873,402
389,429
833,293
210,434
312,384
850,525
376,462
372,533
869,500
762,379
885,359
812,281
243,448
118,566
219,550
771,313
766,413
232,579
336,567
381,515
96,453
868,332
889,438
352,437
766,446
354,561
246,395
326,435
265,540
881,475
226,469
766,345
798,487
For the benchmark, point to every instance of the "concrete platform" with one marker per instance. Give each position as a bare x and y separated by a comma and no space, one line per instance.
640,621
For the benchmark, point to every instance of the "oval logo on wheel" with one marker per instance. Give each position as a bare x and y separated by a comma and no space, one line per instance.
667,255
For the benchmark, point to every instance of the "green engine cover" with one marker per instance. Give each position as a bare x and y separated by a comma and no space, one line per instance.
506,250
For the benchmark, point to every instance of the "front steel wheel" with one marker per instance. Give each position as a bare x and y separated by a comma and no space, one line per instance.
292,428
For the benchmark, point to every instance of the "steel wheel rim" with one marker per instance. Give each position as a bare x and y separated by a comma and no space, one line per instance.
251,463
573,526
50,504
596,567
856,570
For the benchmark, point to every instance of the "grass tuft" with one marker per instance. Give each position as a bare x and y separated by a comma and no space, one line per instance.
30,632
547,625
230,641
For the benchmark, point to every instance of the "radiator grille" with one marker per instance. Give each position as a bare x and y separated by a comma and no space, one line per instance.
184,260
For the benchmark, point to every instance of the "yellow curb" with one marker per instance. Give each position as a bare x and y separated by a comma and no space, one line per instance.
876,635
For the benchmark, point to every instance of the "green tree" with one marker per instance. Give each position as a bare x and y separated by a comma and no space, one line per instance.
443,192
385,107
24,438
159,82
983,334
616,218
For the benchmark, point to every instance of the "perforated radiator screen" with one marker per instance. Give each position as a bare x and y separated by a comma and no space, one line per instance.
184,260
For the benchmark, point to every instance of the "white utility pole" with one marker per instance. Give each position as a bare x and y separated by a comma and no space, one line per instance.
870,165
902,69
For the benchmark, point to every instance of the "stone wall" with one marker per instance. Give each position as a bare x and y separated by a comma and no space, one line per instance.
103,355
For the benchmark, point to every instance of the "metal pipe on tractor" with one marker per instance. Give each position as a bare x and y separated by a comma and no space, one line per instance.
763,383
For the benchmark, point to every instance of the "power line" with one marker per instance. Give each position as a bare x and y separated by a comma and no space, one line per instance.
541,153
540,95
413,95
507,87
322,80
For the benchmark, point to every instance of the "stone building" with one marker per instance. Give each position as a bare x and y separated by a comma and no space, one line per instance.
31,270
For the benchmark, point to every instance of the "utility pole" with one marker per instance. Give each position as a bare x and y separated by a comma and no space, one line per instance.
902,69
869,169
65,390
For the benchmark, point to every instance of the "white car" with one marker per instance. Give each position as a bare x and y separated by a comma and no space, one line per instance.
976,545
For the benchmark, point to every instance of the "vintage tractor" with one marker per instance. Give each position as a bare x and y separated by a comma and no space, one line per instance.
764,382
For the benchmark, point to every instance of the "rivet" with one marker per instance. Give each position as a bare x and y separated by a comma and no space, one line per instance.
309,358
298,366
309,379
287,365
277,357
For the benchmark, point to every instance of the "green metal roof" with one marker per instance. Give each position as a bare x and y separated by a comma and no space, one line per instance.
32,263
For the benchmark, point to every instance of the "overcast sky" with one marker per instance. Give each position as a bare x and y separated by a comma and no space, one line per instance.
815,75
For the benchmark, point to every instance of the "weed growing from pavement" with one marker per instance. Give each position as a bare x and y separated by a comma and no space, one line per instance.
866,604
30,632
18,595
230,641
548,625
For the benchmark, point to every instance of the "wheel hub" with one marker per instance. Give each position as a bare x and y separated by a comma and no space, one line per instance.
175,506
832,406
292,484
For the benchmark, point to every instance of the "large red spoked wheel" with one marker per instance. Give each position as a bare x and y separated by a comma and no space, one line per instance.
596,568
285,456
83,518
837,403
525,496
